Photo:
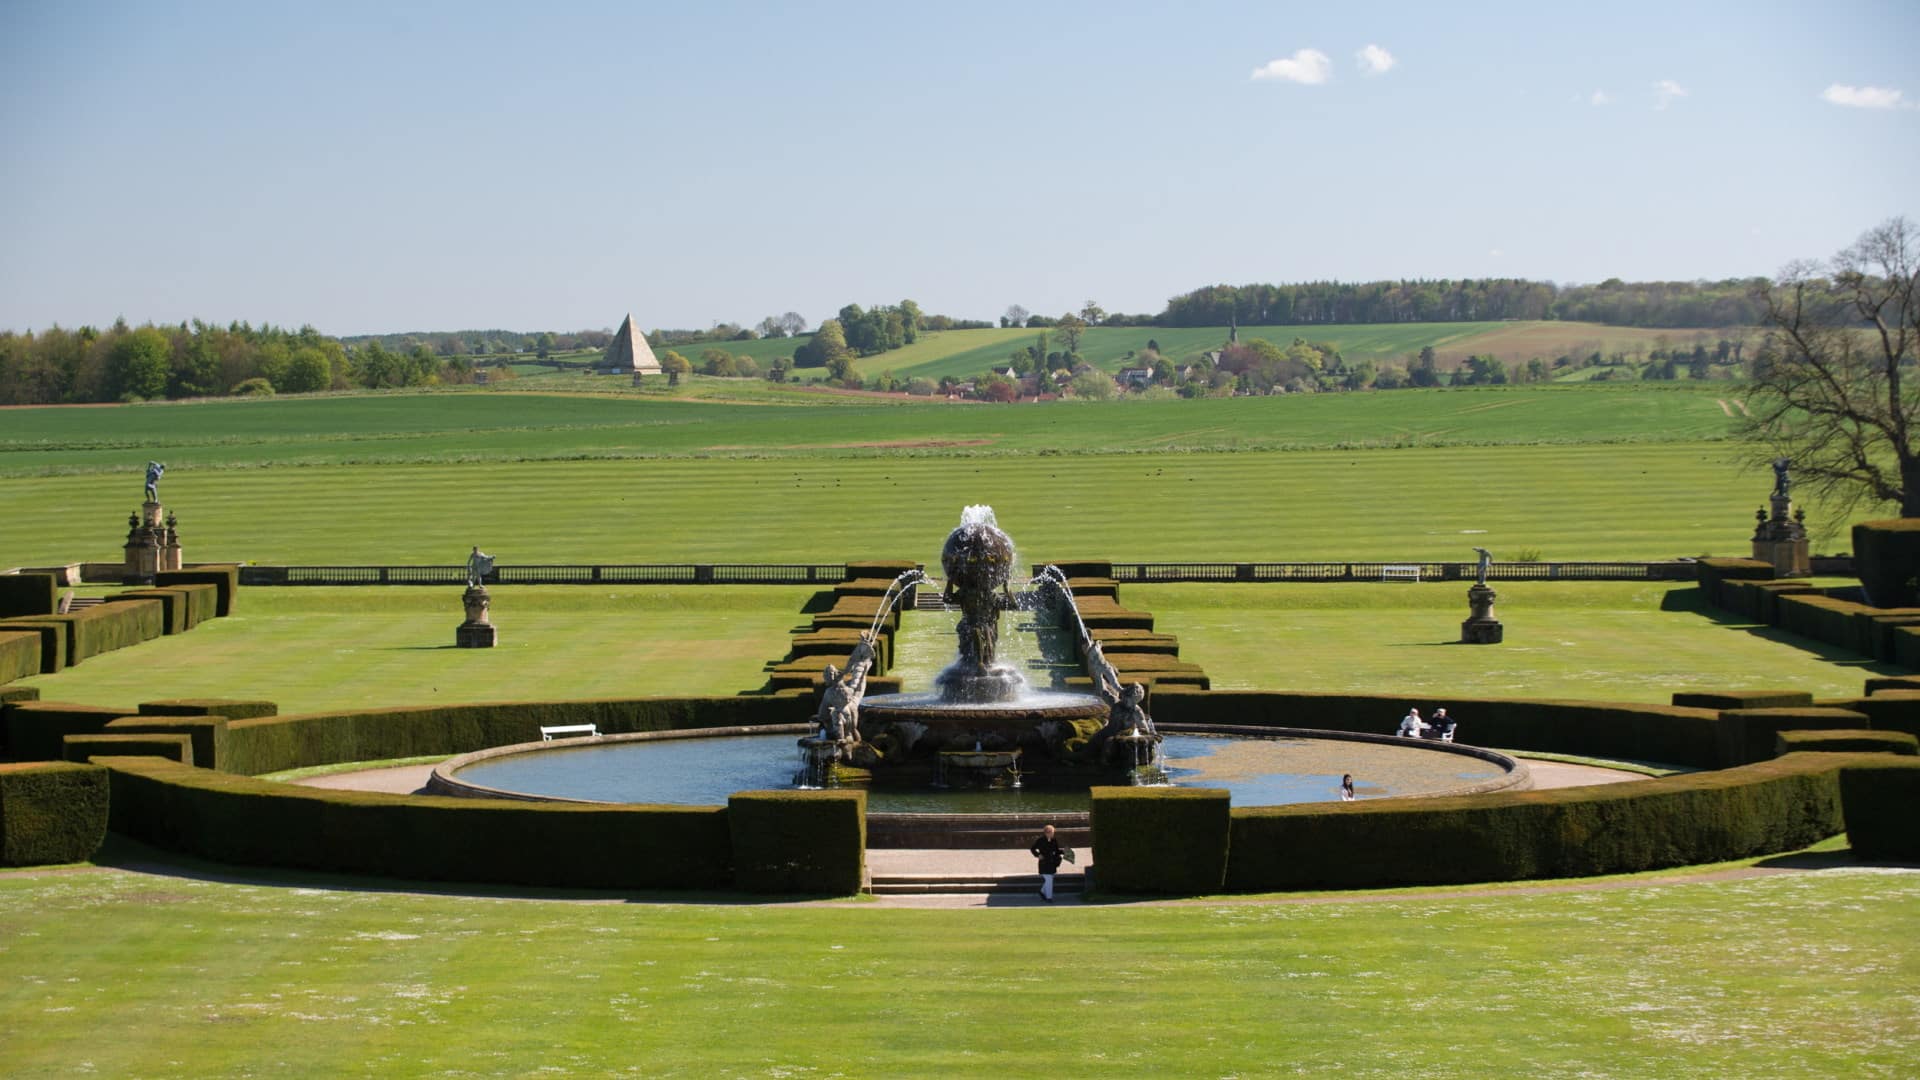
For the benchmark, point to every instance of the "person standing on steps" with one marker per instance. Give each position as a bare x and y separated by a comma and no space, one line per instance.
1049,852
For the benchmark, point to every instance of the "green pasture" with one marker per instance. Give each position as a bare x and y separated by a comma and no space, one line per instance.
1588,641
458,426
314,649
188,972
1564,502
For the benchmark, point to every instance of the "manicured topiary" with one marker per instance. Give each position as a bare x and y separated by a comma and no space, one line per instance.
1742,699
51,813
1081,568
269,744
799,841
19,654
1828,619
10,694
1886,555
53,641
223,577
1772,806
173,747
886,569
1882,803
241,820
231,708
1714,571
1888,710
1842,741
1757,730
182,608
1160,839
35,729
28,594
208,733
1880,683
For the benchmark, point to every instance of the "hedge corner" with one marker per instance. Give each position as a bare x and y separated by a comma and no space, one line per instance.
799,841
1161,840
51,812
1880,803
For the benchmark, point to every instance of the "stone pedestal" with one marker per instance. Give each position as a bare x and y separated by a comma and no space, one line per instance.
1781,539
1481,628
153,543
476,632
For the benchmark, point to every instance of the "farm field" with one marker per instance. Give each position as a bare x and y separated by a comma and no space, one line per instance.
1565,502
469,426
313,649
195,973
1589,641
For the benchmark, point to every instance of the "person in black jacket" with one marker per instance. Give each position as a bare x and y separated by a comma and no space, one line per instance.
1047,850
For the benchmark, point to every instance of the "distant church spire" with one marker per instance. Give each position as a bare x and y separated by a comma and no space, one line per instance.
1233,328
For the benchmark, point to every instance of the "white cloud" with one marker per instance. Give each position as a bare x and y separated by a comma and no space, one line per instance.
1375,60
1600,97
1862,97
1495,252
1309,66
1666,92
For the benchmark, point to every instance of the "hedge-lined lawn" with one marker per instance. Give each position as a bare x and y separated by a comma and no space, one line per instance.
1566,502
117,974
1599,641
311,649
477,425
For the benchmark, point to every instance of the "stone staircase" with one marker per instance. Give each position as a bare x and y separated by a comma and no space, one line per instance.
1074,884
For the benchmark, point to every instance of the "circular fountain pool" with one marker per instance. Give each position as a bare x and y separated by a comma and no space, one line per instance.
701,768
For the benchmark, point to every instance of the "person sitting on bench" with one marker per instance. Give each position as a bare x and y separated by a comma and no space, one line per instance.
1442,725
1411,725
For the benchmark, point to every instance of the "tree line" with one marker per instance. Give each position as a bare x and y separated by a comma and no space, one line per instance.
196,359
1733,302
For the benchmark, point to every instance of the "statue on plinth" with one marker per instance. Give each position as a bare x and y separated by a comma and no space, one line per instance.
1481,627
1780,536
155,470
1781,483
477,632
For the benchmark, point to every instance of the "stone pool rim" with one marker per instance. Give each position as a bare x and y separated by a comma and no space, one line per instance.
942,830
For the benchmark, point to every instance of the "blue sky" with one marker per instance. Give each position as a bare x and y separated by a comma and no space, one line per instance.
414,166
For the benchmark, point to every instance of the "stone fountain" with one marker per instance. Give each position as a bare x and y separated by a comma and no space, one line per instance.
982,725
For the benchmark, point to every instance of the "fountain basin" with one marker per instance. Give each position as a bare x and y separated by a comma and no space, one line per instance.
1260,766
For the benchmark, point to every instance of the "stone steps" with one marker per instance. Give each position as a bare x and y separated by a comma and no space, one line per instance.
973,884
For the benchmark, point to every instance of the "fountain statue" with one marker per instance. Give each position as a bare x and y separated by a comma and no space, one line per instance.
982,724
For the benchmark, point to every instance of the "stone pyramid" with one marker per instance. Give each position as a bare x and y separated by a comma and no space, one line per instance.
629,352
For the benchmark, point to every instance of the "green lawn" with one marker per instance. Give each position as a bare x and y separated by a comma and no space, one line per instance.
117,973
311,649
1598,641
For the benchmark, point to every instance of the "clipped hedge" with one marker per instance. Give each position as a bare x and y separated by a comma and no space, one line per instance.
1881,800
1632,732
51,813
1743,699
19,654
269,744
231,708
1772,806
1828,619
1161,840
36,729
799,841
28,594
1886,554
252,822
1081,568
95,630
84,748
53,641
1888,710
1713,572
224,577
1758,730
182,608
1843,741
886,569
10,694
207,733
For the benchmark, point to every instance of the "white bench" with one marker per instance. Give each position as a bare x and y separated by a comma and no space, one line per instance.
547,733
1400,573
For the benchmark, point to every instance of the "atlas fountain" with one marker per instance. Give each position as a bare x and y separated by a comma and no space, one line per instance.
982,724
